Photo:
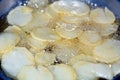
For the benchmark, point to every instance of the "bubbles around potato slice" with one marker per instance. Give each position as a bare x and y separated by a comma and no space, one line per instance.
73,7
92,71
90,38
8,41
103,16
20,16
44,34
13,61
65,50
45,58
33,73
108,51
63,72
68,31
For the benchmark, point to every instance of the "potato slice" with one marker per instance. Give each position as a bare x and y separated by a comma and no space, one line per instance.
75,7
36,44
108,51
33,73
90,38
63,72
44,34
92,71
13,61
68,31
45,58
40,19
8,41
81,57
20,16
103,16
107,30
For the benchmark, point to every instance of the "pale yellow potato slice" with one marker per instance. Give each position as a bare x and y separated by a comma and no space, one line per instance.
36,44
40,19
62,72
45,58
107,30
90,38
108,51
35,73
20,16
13,61
68,31
45,34
73,7
8,40
81,57
92,71
13,29
103,16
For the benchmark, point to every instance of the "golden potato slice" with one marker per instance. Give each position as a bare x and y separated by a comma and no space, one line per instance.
20,16
104,16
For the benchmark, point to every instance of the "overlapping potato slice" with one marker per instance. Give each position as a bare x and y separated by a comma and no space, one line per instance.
107,30
13,61
116,68
35,73
91,38
13,29
63,72
81,57
45,58
45,34
103,16
8,40
92,71
20,16
40,19
108,51
36,44
73,7
68,31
